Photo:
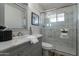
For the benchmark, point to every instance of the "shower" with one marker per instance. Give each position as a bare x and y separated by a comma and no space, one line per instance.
59,28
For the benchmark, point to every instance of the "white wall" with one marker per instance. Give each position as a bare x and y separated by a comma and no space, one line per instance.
34,7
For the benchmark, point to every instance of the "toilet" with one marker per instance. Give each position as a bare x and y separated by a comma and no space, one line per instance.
46,47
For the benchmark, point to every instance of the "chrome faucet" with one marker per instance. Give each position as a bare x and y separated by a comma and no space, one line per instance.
30,31
19,34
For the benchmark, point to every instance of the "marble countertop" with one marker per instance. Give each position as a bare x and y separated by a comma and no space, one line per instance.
15,42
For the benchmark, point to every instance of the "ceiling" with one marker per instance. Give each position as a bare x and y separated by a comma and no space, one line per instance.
48,6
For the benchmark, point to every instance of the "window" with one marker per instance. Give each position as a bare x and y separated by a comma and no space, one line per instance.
52,18
56,17
60,17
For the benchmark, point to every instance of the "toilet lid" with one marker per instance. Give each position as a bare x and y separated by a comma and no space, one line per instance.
48,45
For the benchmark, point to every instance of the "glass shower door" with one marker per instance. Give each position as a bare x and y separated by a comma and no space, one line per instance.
60,29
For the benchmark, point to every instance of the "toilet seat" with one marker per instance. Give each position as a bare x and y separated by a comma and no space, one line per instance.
47,46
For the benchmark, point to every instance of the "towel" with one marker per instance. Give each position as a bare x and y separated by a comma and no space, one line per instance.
33,39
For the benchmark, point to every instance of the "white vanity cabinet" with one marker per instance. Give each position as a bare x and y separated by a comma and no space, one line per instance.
25,49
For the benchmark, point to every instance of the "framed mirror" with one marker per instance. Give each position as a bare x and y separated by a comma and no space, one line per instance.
34,19
15,16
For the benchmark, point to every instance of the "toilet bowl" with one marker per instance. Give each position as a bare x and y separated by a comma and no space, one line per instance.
47,46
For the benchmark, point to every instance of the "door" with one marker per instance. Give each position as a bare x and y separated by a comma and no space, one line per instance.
60,29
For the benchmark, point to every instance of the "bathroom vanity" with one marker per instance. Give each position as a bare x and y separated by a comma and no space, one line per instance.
21,47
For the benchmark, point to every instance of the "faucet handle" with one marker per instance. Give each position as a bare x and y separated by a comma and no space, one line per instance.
19,34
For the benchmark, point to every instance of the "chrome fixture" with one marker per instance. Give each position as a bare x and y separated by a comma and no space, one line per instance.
30,31
19,34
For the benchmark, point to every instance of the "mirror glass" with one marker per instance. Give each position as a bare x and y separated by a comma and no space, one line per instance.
15,16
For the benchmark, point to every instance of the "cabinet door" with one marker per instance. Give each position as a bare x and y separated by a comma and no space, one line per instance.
26,51
36,52
32,49
36,49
